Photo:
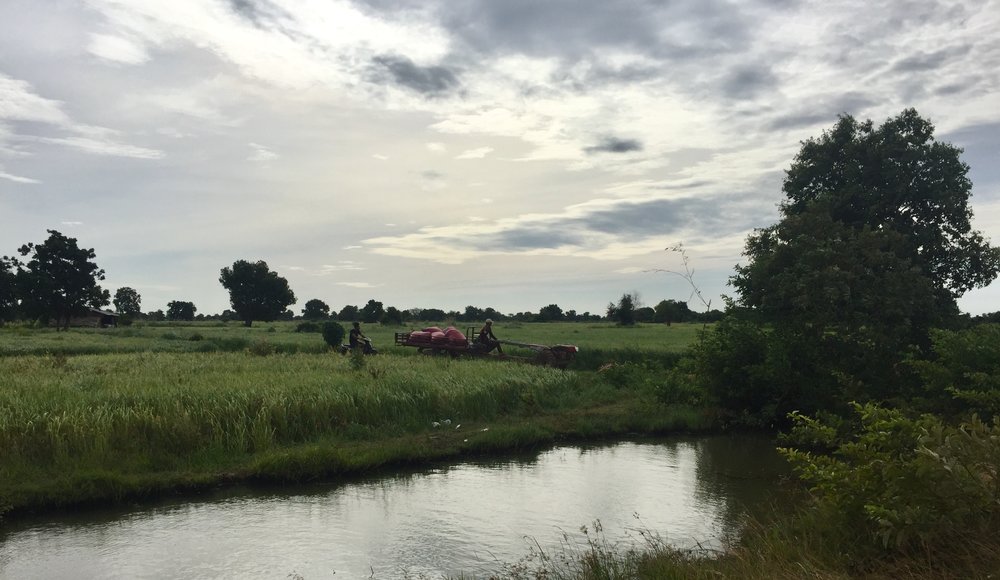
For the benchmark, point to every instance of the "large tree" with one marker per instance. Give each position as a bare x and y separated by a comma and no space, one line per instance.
891,186
349,313
127,302
551,313
873,247
59,279
624,312
181,310
668,311
316,309
372,311
255,292
8,293
897,177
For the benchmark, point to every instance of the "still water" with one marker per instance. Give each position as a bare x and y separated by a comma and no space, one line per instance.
462,518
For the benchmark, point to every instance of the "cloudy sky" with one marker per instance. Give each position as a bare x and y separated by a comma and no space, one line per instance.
501,153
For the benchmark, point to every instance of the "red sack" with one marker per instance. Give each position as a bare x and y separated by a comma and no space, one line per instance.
419,336
432,329
455,336
438,337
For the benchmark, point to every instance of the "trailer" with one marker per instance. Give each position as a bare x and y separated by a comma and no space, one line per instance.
451,342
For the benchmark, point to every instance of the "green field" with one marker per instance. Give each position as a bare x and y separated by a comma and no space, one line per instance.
281,337
99,415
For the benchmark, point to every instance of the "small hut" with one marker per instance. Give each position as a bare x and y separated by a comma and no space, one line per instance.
95,318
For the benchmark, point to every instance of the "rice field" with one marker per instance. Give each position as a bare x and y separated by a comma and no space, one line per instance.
149,410
282,337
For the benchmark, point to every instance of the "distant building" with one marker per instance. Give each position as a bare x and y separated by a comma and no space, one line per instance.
95,318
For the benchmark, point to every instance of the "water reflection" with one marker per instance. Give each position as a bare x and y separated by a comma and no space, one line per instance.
467,518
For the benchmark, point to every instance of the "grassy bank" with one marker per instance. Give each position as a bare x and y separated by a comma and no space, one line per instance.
790,546
106,427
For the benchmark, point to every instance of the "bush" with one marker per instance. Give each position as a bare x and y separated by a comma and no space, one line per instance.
965,375
900,483
262,348
680,386
333,334
308,327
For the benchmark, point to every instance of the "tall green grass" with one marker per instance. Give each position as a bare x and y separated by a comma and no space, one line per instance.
106,418
58,410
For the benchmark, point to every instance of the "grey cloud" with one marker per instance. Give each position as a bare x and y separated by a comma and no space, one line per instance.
684,186
981,148
657,217
528,238
262,13
635,221
429,80
925,61
614,145
746,82
431,174
579,29
824,111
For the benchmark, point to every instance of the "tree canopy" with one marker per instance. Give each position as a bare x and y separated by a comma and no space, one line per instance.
181,310
873,247
623,312
316,309
127,301
372,311
59,280
349,313
8,294
551,313
255,292
897,177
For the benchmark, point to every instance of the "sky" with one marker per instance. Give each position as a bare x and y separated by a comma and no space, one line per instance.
429,154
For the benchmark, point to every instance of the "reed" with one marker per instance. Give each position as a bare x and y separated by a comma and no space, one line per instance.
204,416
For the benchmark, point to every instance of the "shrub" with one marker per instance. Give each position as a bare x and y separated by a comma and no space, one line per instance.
965,375
680,387
308,327
261,348
901,483
333,334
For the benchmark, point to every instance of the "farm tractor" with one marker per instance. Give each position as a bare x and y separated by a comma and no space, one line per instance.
452,342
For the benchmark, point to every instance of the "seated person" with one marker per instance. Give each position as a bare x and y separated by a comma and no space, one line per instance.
487,340
357,339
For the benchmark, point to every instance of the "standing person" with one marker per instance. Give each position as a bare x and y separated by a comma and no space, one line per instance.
488,339
357,337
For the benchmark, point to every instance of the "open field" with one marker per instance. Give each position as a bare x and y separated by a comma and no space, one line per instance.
599,343
281,336
150,413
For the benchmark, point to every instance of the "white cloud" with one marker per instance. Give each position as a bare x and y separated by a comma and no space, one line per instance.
479,153
16,178
117,49
260,153
358,284
436,147
19,102
105,147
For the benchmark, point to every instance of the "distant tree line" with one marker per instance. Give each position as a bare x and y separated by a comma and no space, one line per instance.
56,280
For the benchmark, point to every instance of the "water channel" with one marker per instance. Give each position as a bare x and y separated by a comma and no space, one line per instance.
463,518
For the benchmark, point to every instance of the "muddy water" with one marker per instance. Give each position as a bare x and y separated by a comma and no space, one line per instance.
463,518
